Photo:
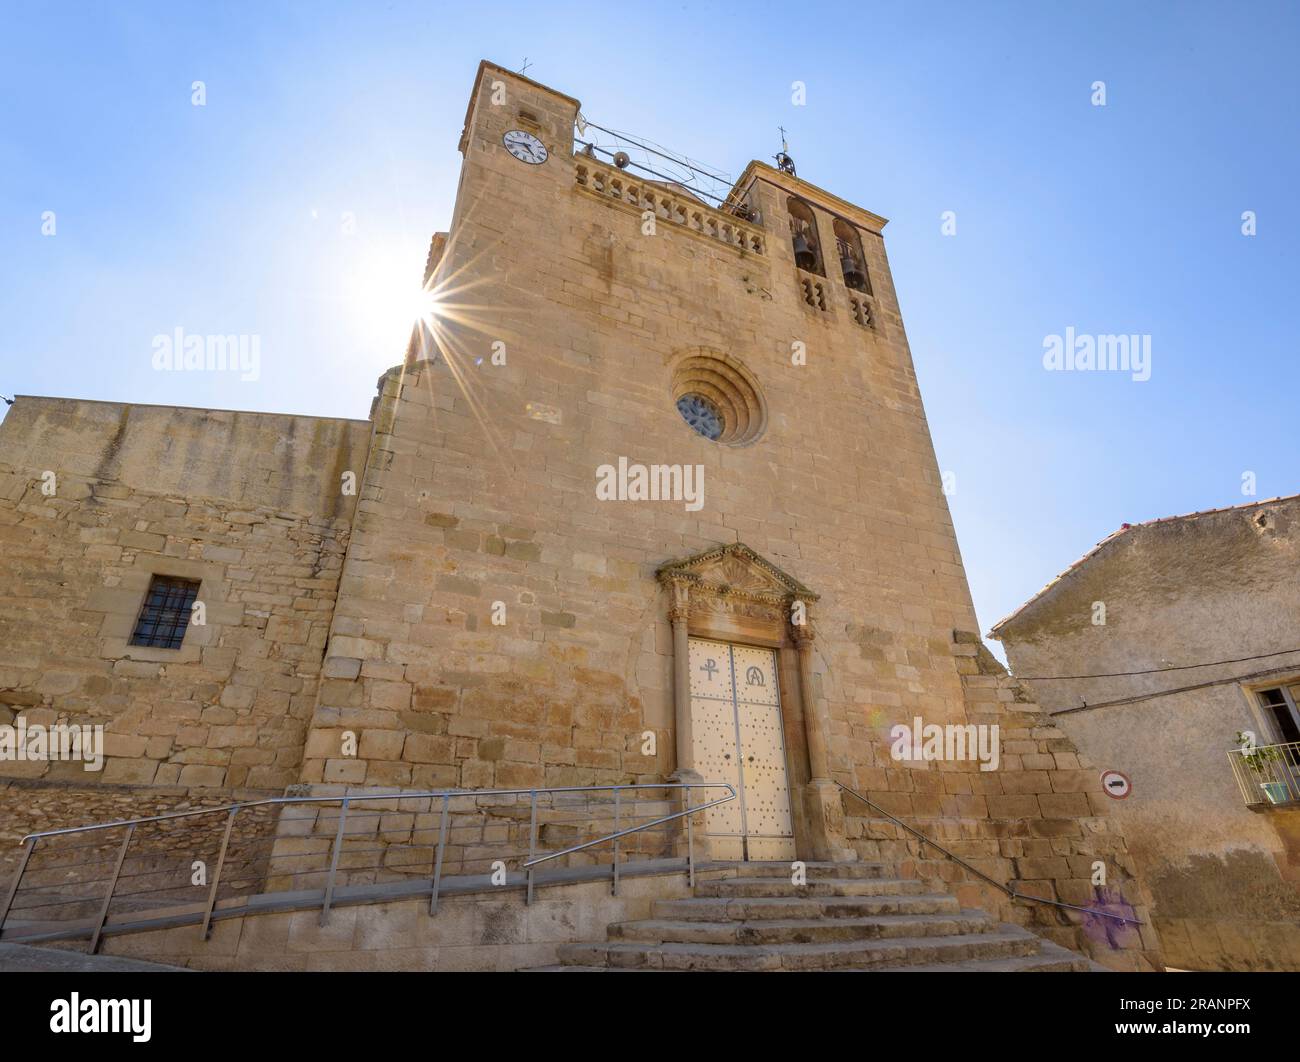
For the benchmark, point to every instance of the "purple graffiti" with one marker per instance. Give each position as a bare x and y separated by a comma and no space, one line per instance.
1110,931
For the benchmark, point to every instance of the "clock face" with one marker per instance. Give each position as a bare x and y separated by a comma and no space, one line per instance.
525,147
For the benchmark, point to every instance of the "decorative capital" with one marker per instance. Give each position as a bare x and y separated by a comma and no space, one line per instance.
680,608
802,634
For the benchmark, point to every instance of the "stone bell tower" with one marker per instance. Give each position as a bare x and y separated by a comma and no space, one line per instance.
651,499
653,496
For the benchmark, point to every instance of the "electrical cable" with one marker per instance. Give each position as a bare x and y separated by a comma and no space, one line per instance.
1154,670
681,160
655,173
1177,689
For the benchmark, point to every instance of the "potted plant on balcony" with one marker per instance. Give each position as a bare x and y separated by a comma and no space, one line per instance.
1262,761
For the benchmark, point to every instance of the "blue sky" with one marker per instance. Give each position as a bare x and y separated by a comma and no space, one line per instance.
231,217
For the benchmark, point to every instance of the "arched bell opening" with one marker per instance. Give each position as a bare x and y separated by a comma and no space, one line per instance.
803,237
853,263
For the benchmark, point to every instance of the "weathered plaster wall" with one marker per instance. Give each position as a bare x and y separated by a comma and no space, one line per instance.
1212,587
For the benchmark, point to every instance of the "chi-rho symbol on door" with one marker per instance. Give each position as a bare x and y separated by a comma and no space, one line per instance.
737,738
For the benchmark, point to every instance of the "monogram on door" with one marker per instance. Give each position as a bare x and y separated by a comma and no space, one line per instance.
736,723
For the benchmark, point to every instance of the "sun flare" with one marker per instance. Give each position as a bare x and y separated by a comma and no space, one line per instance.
385,299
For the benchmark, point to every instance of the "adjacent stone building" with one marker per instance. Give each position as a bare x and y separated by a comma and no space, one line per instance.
1179,643
651,497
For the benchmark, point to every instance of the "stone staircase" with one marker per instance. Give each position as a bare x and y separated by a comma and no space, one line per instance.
849,916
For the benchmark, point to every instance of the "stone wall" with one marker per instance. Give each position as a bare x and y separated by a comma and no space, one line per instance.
482,487
397,839
31,806
469,933
269,460
486,620
1040,823
243,503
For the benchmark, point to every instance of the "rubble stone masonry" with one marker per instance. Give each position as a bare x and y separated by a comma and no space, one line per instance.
240,502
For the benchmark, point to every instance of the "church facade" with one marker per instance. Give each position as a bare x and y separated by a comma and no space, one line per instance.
651,497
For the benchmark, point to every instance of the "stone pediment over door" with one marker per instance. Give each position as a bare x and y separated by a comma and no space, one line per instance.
732,591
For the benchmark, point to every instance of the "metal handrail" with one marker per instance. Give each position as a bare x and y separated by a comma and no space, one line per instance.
344,801
644,826
980,874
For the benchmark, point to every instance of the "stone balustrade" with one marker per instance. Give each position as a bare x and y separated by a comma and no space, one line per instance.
677,208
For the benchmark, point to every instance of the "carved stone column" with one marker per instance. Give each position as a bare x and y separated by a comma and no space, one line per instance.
814,723
821,795
679,613
679,617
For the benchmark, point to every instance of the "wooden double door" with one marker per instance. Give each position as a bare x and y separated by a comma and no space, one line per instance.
738,738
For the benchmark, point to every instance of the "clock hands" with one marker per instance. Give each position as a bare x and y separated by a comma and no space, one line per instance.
524,146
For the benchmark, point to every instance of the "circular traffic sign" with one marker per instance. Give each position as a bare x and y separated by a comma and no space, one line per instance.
1116,784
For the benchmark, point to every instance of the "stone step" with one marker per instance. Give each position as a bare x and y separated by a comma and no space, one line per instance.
1006,942
1053,960
816,871
825,887
749,909
802,930
1050,958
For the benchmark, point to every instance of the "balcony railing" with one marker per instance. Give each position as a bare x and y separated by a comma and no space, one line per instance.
1268,774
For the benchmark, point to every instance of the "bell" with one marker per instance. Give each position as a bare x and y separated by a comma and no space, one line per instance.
804,257
853,275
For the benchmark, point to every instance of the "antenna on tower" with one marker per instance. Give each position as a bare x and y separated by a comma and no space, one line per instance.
783,160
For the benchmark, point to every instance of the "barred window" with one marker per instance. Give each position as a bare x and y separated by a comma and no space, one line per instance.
165,613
